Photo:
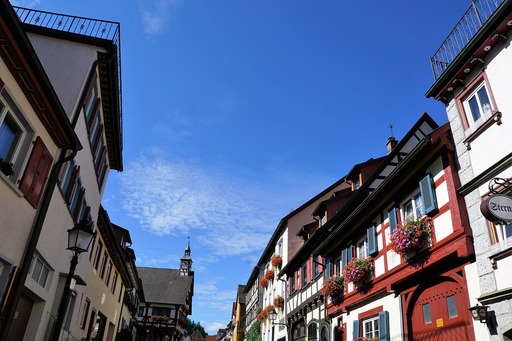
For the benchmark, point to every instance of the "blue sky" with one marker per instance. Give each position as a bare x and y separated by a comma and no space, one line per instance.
237,111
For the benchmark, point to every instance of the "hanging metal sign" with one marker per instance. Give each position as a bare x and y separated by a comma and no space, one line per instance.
497,208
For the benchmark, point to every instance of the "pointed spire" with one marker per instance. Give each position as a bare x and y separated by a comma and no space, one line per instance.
186,261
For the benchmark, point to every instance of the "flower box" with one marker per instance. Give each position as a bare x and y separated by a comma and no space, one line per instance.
276,261
333,287
412,237
358,269
279,302
269,275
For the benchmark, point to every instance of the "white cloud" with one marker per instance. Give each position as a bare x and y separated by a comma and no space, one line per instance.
155,18
171,198
213,327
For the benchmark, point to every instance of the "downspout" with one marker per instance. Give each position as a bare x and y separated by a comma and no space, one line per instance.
33,239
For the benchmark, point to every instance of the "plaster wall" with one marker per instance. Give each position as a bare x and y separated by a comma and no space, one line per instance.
58,58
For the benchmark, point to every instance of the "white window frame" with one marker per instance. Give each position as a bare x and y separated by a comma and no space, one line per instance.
45,268
374,330
485,110
362,248
415,202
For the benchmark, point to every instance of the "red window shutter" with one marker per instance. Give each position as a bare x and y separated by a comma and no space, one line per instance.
310,269
36,173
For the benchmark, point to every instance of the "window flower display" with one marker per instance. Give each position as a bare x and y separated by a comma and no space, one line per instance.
263,282
276,261
269,275
279,302
358,270
333,286
412,236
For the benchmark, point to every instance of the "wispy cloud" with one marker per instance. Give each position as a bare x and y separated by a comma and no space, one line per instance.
25,3
178,198
156,15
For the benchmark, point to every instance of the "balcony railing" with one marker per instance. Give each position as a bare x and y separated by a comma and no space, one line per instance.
467,27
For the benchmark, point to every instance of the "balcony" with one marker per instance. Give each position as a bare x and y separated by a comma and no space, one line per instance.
466,29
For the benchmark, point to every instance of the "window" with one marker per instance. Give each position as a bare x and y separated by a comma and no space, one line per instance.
371,327
97,254
421,203
316,266
114,283
109,271
292,284
361,248
85,311
304,273
141,310
413,208
16,135
427,317
39,271
477,105
500,233
452,306
324,335
376,326
312,332
103,264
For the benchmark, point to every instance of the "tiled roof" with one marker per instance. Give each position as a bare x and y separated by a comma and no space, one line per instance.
165,285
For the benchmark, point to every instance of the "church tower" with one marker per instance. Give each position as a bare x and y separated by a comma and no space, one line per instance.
186,262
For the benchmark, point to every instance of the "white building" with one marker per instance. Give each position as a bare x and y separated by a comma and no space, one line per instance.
472,78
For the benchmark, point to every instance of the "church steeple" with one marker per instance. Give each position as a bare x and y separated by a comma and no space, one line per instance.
186,261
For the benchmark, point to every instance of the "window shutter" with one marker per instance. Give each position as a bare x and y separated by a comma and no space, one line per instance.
392,220
350,253
343,259
371,235
36,173
78,207
384,326
355,329
327,268
72,184
428,194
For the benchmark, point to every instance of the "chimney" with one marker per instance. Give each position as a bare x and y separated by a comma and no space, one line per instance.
392,142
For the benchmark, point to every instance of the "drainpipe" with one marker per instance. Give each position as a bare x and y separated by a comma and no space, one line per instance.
33,239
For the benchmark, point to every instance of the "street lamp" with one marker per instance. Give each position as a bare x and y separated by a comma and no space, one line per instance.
79,240
273,316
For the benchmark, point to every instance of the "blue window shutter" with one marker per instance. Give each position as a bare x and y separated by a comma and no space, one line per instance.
384,326
371,235
327,268
355,329
428,194
350,253
392,219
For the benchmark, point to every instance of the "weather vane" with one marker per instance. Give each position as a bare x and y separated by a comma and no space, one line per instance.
391,127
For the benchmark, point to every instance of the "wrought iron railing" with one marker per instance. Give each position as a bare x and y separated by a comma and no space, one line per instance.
467,27
100,29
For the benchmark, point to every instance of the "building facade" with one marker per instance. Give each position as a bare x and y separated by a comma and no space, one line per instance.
472,78
83,70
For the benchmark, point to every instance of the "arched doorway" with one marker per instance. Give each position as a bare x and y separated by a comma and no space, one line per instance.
438,311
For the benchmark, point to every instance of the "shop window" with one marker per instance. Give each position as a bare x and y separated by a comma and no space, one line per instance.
500,233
